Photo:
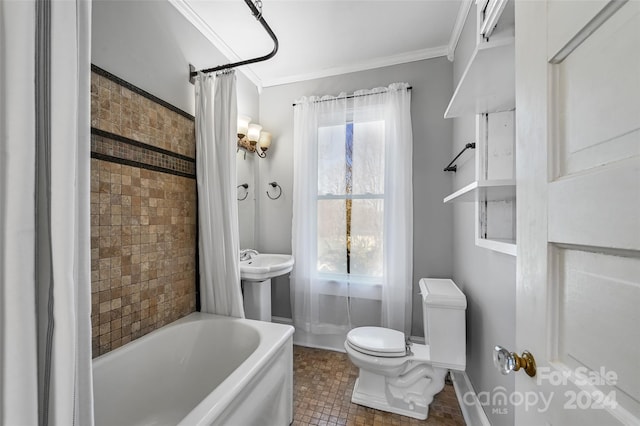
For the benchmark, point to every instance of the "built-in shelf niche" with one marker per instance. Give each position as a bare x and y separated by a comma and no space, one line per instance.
494,190
487,90
496,225
495,165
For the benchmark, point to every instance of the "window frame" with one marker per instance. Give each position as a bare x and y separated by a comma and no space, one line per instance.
368,285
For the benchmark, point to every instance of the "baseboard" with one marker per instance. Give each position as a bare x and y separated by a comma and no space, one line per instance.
417,339
468,400
282,320
303,342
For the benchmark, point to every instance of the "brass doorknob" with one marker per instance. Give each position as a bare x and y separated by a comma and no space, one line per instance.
506,361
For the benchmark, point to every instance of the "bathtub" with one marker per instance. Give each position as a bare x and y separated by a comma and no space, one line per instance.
200,370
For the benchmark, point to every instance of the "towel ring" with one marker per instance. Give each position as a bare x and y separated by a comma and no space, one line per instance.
274,185
246,191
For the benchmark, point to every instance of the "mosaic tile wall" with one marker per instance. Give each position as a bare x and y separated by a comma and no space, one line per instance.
143,213
116,108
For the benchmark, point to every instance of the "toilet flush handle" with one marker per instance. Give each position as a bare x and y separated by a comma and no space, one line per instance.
407,347
506,361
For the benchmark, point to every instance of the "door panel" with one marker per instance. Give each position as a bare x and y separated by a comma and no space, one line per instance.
565,21
598,207
593,71
597,302
578,172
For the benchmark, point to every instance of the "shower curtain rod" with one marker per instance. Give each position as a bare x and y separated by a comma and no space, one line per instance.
258,15
347,97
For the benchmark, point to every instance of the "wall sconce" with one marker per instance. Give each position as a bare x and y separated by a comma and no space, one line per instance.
251,138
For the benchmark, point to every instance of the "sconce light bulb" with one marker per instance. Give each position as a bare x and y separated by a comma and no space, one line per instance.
265,140
254,132
243,125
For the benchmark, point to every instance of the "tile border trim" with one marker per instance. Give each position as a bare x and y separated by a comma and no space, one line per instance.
95,153
138,144
132,163
139,91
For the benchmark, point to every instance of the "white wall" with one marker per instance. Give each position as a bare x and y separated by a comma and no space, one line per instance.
486,277
150,45
246,173
432,87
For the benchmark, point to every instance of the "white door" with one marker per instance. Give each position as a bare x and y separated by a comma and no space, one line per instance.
578,177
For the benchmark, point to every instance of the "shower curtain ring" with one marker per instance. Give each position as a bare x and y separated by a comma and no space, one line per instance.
274,184
258,5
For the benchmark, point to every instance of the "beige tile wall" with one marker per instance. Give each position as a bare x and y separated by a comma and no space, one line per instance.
118,110
143,223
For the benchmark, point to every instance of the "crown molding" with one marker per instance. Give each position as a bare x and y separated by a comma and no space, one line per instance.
416,55
463,11
205,29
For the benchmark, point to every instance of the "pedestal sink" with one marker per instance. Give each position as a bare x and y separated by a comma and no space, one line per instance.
256,274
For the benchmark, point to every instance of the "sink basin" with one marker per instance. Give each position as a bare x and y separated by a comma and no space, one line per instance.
265,266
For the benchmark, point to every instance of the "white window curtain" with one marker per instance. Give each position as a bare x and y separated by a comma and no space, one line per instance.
373,131
45,289
313,308
219,239
393,104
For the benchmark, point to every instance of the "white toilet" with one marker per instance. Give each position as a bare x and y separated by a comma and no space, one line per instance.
402,377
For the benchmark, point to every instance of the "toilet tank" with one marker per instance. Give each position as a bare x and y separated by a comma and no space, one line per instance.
443,312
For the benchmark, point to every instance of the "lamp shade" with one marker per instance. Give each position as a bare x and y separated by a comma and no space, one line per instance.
254,132
265,140
243,124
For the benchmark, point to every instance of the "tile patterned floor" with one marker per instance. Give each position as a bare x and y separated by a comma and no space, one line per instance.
323,382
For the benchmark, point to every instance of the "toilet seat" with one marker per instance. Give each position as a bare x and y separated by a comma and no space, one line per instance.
377,341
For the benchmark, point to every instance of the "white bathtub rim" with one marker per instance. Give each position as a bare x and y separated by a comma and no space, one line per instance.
130,346
272,339
227,390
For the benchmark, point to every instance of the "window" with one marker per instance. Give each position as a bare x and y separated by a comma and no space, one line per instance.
352,223
350,199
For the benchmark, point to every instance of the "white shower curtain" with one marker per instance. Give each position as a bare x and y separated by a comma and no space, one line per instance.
219,239
45,288
327,299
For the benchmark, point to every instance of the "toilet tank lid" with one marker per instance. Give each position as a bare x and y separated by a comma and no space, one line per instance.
441,293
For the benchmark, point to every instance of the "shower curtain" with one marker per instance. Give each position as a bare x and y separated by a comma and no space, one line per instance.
219,238
45,287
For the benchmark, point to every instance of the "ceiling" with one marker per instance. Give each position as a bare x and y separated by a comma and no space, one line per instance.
320,38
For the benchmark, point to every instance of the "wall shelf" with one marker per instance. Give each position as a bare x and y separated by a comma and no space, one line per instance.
486,90
501,245
488,190
488,83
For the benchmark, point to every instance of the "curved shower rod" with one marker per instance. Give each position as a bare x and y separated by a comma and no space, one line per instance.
257,12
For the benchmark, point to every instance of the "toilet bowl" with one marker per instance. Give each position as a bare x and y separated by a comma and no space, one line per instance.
402,377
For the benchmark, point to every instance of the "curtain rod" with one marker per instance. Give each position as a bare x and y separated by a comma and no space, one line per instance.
258,15
347,97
